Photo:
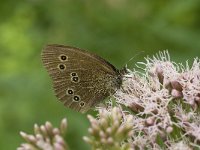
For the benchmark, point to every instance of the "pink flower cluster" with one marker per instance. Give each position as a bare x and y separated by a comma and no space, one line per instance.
154,96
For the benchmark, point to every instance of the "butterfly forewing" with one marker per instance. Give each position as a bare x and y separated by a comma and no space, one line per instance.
80,79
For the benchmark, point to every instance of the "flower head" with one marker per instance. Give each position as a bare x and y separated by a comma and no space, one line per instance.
45,137
110,131
162,100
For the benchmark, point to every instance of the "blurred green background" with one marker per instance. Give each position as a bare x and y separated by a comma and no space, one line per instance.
113,29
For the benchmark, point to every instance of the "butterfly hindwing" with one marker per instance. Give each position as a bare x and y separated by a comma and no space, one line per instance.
80,79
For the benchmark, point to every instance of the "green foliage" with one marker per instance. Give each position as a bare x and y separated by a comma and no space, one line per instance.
114,29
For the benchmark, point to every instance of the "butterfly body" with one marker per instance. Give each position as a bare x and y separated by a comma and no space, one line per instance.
80,79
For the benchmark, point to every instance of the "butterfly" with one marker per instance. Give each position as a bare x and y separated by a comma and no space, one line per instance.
81,79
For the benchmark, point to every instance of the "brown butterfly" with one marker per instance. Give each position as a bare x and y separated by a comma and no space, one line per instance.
80,79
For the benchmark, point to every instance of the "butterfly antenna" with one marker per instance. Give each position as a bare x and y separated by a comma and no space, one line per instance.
138,53
125,70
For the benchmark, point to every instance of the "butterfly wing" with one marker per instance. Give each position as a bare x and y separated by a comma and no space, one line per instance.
80,79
